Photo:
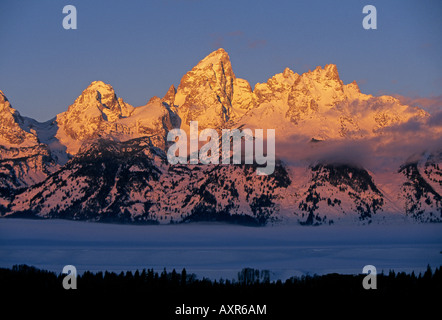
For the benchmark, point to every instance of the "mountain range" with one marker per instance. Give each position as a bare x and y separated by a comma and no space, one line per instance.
341,155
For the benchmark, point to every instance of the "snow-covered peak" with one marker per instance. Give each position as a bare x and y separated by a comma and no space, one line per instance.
353,87
324,77
13,131
276,88
217,57
331,71
102,96
101,87
205,93
90,115
315,91
5,106
169,97
316,104
117,165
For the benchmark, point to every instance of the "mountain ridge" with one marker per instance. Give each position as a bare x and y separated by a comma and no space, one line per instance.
104,159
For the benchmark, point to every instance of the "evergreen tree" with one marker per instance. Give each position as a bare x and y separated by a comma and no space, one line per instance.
183,277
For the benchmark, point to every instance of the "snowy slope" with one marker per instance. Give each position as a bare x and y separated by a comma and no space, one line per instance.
24,161
132,182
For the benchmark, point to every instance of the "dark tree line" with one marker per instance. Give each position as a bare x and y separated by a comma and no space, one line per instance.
28,277
164,291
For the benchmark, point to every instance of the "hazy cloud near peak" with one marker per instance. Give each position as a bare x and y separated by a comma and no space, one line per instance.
395,146
429,104
257,43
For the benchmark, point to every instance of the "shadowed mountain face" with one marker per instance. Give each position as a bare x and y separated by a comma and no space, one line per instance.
105,160
340,187
422,189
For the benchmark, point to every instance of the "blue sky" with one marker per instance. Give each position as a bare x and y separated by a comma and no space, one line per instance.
142,47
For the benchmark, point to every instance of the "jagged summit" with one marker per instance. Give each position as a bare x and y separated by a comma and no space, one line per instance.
13,130
316,103
108,102
287,72
90,115
101,86
5,105
219,56
327,75
331,72
205,93
169,97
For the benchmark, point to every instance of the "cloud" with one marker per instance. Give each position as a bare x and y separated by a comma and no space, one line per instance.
219,39
435,119
236,33
426,46
430,104
298,150
257,44
395,146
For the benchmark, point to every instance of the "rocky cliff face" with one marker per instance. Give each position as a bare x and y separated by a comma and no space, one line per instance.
94,113
13,131
105,160
422,188
211,94
337,191
24,161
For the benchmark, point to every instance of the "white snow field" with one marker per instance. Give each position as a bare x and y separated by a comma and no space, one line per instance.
218,250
